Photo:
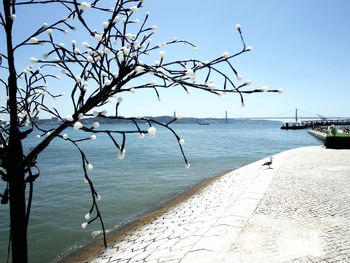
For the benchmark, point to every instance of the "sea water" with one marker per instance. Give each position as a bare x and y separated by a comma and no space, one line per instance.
152,173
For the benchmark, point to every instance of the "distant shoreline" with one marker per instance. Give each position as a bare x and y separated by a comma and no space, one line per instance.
163,119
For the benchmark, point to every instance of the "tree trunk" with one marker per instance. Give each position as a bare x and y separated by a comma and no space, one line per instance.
15,167
17,206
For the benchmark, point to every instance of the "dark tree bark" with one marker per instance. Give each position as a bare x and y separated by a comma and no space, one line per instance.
17,201
14,162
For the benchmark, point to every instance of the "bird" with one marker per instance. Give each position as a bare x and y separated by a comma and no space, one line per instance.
268,163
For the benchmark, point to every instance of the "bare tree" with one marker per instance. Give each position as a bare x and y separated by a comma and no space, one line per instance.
93,74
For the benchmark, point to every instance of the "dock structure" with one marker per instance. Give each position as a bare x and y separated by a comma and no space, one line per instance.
313,123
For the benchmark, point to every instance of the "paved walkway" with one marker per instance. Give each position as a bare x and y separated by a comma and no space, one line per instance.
298,211
305,214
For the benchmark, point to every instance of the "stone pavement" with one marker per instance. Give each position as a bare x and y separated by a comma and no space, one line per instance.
298,211
305,214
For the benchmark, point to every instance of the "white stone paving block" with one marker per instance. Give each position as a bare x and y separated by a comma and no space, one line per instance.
200,256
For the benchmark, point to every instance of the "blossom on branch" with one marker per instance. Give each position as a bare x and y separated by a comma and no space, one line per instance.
152,131
85,6
34,40
226,54
78,125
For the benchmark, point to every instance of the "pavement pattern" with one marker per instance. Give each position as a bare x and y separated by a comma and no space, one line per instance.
297,211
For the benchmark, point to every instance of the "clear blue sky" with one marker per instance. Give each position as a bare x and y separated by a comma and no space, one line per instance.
300,46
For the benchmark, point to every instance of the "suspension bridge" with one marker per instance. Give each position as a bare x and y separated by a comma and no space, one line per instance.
294,114
300,121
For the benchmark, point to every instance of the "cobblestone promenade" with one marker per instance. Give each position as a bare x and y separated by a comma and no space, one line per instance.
298,211
305,214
